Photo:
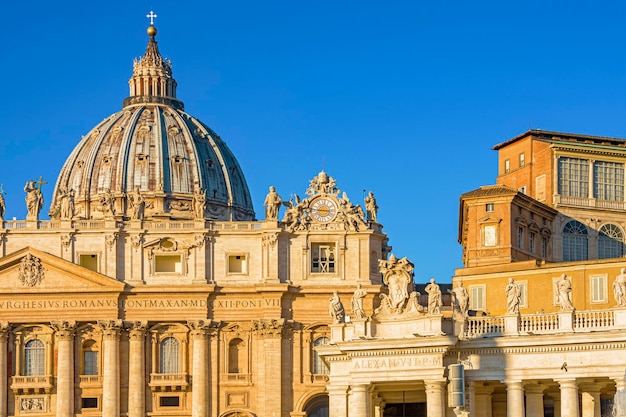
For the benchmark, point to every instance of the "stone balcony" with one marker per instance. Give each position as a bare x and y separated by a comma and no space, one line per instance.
169,382
32,384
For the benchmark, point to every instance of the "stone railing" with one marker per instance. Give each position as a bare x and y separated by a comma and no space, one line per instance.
539,323
236,226
590,320
236,378
168,381
171,225
484,326
31,383
588,202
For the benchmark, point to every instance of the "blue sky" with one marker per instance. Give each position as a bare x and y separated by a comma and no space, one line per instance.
404,98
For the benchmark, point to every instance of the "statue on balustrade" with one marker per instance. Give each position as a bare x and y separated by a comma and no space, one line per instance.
460,301
371,207
357,302
434,297
107,201
272,204
199,203
619,288
336,310
136,203
564,293
3,207
34,199
513,297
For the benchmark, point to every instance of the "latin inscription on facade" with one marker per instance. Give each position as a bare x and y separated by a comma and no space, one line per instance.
402,362
237,304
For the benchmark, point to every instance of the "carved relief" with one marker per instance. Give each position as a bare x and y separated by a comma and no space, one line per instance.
398,275
269,240
180,205
31,271
135,241
32,404
66,241
110,240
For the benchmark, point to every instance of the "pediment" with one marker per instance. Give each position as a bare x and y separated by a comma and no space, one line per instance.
489,219
34,271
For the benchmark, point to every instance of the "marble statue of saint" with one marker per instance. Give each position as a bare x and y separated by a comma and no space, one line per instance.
619,288
199,203
460,300
3,207
107,201
564,293
272,204
136,203
336,310
34,200
357,302
513,294
370,207
434,297
67,203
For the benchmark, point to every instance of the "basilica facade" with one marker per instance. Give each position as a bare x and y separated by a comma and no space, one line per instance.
154,291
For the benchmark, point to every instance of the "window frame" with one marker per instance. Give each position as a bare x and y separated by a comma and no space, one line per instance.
602,292
170,357
478,292
332,266
80,256
34,358
245,263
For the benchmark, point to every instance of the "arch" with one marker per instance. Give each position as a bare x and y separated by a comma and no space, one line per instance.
610,241
237,413
237,363
317,406
169,355
34,358
319,366
308,399
575,241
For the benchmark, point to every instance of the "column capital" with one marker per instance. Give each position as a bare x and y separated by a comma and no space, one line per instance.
273,328
534,388
136,329
199,328
567,383
514,384
434,385
481,388
359,387
5,331
64,330
110,328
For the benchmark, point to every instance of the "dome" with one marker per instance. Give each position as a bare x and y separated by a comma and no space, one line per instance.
153,148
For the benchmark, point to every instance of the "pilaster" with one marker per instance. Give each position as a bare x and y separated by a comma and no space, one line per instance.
111,370
199,371
4,337
137,369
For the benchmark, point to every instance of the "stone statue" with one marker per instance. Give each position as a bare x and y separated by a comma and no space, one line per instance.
136,204
513,294
107,201
434,297
370,207
3,207
460,300
199,203
322,183
336,310
34,199
294,215
397,274
564,293
272,204
619,288
357,302
67,203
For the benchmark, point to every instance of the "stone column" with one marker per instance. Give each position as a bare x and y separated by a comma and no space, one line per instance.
480,399
111,367
269,335
4,336
337,400
358,404
200,372
137,369
434,398
590,400
569,398
534,399
514,399
64,338
619,400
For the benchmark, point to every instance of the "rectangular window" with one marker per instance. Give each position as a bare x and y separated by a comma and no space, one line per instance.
531,242
323,257
89,402
489,207
507,166
608,181
598,289
169,401
520,237
90,364
89,261
168,264
237,264
573,177
477,297
544,247
521,159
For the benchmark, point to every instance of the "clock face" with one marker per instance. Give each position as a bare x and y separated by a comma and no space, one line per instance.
323,210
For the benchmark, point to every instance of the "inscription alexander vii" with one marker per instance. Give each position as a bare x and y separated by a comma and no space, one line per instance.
407,362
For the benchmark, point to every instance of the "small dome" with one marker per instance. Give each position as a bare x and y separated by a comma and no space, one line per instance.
154,145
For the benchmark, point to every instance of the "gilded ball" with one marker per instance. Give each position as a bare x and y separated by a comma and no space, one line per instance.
152,31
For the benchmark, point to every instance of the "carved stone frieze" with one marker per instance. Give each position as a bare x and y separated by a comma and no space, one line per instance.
32,404
31,271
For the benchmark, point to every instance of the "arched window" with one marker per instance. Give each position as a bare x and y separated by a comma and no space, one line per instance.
170,356
317,407
575,241
90,358
319,367
610,242
34,358
236,357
